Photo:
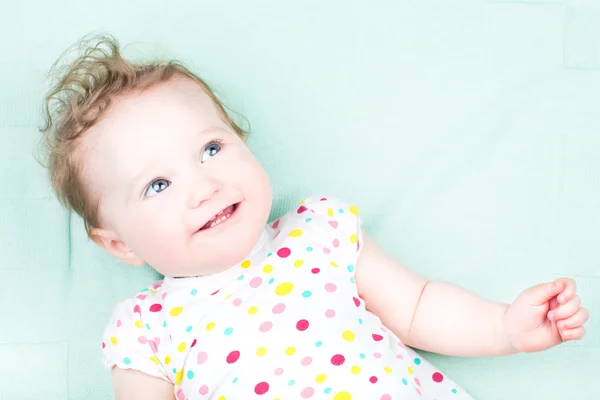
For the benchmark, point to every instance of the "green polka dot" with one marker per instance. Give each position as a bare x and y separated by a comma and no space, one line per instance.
306,294
241,277
362,356
190,374
164,324
228,331
341,210
352,280
360,321
417,361
235,379
188,329
404,381
319,344
454,391
308,219
194,292
271,281
292,382
269,255
350,268
309,248
327,390
126,361
147,326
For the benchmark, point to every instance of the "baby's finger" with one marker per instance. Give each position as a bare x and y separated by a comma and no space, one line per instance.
573,334
574,321
569,290
565,310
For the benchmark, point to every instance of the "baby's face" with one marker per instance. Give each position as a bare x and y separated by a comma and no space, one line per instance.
163,164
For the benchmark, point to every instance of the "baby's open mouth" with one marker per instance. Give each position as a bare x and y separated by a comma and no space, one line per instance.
220,217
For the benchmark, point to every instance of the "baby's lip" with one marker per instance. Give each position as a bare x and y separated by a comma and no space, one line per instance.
229,210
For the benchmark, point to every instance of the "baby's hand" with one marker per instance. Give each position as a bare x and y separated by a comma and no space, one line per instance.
545,315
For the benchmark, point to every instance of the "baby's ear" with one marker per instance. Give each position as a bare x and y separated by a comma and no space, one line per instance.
114,245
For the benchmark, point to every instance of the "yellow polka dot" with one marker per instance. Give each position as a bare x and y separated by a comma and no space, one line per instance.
222,398
138,324
267,269
353,210
355,370
246,264
298,263
284,288
210,326
154,359
342,396
410,369
387,370
227,297
320,378
167,360
114,340
348,336
182,346
290,351
353,238
178,377
333,264
303,202
330,212
261,351
252,310
296,233
175,311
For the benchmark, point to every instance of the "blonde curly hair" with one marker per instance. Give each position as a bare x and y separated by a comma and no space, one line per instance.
81,96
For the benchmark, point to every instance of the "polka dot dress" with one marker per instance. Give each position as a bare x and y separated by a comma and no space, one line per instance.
286,323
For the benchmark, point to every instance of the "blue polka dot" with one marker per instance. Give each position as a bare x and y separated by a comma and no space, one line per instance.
352,280
327,390
350,268
190,374
164,324
126,361
228,331
269,255
194,292
240,277
360,321
292,382
306,294
362,355
319,343
308,219
144,289
235,379
147,326
417,361
341,210
454,391
188,329
309,248
271,281
174,370
405,382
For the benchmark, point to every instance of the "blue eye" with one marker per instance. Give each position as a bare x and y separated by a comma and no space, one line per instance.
210,150
156,187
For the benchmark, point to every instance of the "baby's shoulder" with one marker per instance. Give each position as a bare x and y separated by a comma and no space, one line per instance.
323,208
146,301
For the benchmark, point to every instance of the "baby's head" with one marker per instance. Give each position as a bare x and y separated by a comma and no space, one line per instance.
148,157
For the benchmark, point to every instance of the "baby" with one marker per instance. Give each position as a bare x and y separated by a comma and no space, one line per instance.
305,307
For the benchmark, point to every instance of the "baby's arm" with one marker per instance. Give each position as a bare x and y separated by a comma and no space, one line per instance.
134,385
443,318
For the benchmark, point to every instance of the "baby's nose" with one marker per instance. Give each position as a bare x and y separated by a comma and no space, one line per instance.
201,191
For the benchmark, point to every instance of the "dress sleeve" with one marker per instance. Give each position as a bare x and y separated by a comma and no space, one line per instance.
129,343
337,225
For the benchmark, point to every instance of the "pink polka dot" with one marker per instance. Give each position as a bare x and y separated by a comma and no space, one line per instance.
284,252
118,323
417,381
401,345
385,397
301,209
400,356
193,343
373,379
180,395
203,390
142,340
255,282
278,308
261,388
237,302
265,326
377,355
275,224
336,243
330,287
155,307
307,392
137,309
356,301
338,359
278,371
377,337
103,345
306,361
315,270
418,392
202,357
233,357
326,250
437,377
302,325
330,313
164,295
